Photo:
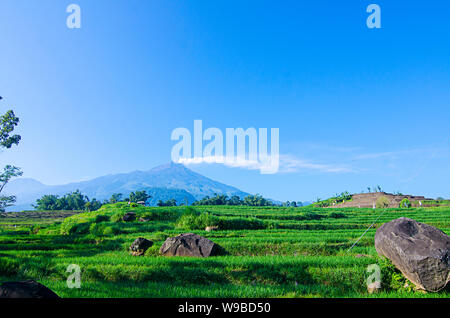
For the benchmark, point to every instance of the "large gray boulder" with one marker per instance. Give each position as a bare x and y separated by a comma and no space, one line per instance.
188,244
420,251
25,289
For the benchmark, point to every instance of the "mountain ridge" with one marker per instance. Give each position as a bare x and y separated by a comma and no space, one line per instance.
161,181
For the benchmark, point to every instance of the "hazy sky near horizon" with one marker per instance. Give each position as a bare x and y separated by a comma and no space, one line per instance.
356,107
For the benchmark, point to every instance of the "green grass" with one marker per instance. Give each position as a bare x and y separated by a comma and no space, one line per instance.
272,251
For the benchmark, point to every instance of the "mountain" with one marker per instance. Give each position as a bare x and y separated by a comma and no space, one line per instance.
162,182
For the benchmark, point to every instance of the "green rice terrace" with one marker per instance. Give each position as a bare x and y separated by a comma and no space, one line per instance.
267,251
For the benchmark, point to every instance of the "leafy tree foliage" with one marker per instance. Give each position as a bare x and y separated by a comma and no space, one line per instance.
8,122
71,201
116,197
93,205
256,200
139,196
221,199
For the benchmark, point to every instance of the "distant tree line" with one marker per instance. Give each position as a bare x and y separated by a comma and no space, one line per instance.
171,202
292,204
222,199
76,201
71,201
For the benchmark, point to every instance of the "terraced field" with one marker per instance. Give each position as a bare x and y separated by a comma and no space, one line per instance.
271,252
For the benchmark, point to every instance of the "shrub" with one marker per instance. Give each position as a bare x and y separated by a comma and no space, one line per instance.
35,229
8,267
392,278
242,224
196,222
337,215
97,229
312,216
75,228
161,215
382,202
405,203
117,217
110,230
190,211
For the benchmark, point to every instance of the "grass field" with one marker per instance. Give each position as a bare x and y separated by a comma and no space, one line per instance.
271,251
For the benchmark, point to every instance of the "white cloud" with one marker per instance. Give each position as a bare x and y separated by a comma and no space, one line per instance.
234,163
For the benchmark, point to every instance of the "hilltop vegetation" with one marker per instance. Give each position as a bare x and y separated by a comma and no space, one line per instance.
271,252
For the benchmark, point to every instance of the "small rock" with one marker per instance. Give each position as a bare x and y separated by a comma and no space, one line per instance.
25,289
129,217
139,246
211,228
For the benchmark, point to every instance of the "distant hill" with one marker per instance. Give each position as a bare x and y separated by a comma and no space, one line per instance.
369,200
162,182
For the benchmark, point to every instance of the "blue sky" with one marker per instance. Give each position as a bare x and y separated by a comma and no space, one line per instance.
355,106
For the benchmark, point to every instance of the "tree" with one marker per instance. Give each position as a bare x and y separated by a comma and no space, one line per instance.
71,201
47,202
8,173
75,201
222,199
256,200
93,205
7,124
116,197
235,200
139,196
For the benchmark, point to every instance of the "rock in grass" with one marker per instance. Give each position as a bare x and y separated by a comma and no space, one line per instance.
140,245
189,244
129,217
420,251
25,289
